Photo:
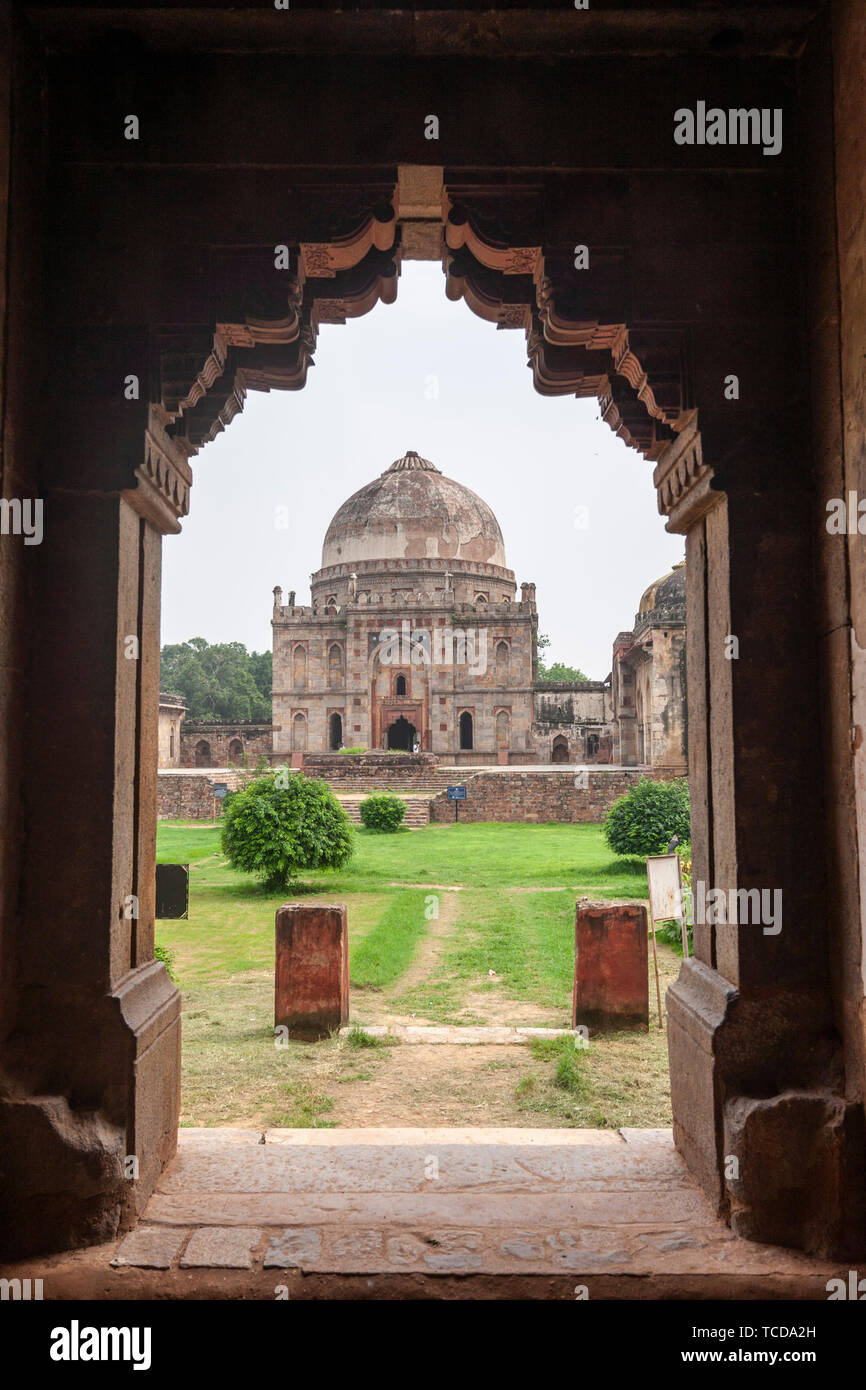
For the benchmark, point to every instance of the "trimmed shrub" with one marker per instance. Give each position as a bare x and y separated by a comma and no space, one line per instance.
382,811
276,828
647,818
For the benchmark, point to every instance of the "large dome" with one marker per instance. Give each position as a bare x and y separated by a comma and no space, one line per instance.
412,511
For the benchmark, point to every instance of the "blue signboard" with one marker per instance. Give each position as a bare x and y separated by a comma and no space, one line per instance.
456,793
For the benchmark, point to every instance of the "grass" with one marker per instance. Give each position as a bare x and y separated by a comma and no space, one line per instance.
385,953
223,960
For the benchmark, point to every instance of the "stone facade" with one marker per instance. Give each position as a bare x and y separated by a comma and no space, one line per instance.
172,712
648,680
216,744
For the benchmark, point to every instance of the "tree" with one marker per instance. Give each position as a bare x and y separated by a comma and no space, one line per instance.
277,826
219,681
556,671
645,820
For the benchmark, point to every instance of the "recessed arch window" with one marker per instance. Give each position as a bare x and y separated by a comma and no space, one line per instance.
503,729
400,685
503,662
236,750
203,753
299,733
466,730
335,665
299,667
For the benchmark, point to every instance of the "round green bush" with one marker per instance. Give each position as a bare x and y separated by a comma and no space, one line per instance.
381,811
647,818
279,825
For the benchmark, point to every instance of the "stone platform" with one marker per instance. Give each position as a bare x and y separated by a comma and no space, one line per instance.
429,1213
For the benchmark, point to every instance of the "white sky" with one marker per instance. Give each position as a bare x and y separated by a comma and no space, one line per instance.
422,374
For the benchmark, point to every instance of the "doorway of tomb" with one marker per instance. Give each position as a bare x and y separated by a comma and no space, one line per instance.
335,731
401,735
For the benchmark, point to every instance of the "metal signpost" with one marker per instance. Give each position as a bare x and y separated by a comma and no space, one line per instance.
456,794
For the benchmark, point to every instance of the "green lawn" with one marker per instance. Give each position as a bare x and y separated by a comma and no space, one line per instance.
447,924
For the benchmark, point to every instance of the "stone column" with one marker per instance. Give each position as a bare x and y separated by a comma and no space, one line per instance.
91,1118
759,1108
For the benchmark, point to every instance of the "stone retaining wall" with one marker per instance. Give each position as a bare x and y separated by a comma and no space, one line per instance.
189,795
545,795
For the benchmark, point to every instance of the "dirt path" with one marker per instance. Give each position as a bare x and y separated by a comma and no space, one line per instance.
425,964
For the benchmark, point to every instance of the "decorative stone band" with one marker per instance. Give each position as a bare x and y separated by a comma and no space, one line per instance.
682,479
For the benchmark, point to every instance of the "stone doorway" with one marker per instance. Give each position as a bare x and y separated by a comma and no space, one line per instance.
692,263
401,735
559,751
335,732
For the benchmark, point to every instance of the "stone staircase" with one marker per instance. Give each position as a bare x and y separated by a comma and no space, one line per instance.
417,807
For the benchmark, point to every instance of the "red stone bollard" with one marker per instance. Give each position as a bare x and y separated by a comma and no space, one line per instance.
611,981
311,980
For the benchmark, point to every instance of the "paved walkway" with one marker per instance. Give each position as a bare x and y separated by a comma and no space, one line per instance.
457,1213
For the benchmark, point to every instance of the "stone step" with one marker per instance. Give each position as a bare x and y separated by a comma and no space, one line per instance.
417,809
448,1213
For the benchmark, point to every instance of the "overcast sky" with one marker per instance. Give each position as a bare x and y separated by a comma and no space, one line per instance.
421,374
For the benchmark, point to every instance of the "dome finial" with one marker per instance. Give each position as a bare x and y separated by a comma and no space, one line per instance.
411,459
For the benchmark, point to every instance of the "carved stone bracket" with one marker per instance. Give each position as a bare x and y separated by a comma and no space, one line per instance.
163,479
682,479
324,259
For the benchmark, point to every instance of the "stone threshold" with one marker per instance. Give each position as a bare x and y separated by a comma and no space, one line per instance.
466,1034
429,1213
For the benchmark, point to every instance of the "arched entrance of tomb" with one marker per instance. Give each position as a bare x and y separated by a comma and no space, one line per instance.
335,732
764,1054
466,730
401,735
559,751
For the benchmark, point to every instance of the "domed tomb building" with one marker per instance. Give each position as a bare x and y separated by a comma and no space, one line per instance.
648,680
415,635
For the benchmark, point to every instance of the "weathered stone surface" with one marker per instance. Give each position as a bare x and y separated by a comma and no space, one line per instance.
611,985
292,1248
221,1247
311,990
150,1247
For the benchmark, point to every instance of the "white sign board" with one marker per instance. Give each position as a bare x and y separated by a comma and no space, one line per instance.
664,876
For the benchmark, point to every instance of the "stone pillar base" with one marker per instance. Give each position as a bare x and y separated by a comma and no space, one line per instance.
781,1160
78,1167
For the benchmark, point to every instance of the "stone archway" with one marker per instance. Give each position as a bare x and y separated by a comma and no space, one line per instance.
559,750
401,735
765,1049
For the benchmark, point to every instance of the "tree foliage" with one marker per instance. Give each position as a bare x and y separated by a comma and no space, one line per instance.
645,820
279,825
382,811
556,671
218,681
